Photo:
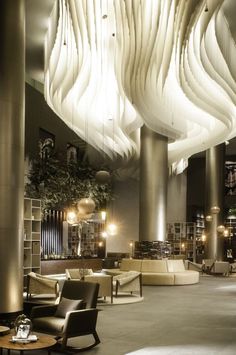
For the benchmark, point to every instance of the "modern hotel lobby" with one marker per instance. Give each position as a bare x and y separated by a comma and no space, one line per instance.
118,177
182,320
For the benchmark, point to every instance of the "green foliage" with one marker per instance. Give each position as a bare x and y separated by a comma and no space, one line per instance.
232,211
60,185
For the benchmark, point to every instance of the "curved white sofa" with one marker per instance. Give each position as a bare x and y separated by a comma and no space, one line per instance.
158,272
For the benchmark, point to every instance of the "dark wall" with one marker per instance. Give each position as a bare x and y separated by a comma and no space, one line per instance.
195,187
39,115
230,200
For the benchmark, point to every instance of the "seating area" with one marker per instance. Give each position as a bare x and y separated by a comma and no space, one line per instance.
158,272
210,307
128,282
211,267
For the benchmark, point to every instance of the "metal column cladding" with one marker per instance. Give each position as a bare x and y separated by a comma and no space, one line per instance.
12,97
215,159
153,186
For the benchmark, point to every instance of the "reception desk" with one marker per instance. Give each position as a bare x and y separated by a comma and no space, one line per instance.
58,266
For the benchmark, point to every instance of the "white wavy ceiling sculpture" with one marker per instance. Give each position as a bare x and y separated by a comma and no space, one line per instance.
113,65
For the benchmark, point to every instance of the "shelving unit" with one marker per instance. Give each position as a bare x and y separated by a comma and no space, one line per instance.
88,242
230,241
152,250
185,241
182,242
199,219
32,236
230,224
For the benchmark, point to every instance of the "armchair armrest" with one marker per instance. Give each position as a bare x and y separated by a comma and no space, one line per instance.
82,321
43,311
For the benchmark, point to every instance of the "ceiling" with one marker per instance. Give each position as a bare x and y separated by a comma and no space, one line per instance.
37,20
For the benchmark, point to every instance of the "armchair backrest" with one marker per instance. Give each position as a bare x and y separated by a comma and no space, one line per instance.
77,274
208,262
86,291
39,284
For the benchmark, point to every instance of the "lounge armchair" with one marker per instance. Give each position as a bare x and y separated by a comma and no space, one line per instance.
190,265
105,284
208,265
221,268
104,281
39,285
75,315
130,281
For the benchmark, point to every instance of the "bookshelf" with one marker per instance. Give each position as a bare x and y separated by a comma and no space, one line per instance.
32,236
185,240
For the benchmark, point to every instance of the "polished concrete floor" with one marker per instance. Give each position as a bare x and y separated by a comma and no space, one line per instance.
172,320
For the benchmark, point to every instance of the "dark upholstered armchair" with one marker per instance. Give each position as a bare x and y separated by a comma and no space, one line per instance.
75,315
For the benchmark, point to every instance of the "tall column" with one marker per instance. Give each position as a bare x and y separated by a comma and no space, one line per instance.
12,94
153,186
215,157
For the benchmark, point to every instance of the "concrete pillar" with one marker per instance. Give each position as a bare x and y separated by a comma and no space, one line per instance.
12,95
215,165
153,186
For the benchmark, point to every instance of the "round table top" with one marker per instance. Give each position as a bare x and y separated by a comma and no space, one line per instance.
4,330
44,341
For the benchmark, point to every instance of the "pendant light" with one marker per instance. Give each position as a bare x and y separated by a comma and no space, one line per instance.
86,206
71,217
102,176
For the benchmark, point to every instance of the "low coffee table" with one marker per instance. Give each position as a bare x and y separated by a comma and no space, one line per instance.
43,342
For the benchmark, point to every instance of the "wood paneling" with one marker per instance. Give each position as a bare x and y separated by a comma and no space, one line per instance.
49,267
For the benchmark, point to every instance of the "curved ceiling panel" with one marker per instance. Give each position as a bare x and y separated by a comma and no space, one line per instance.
112,66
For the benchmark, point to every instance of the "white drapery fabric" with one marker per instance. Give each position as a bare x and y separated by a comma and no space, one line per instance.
112,66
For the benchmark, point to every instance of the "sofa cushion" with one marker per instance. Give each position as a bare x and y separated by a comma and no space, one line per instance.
153,266
131,265
52,325
161,278
187,277
175,265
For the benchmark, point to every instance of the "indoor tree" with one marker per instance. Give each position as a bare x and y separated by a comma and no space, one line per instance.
60,184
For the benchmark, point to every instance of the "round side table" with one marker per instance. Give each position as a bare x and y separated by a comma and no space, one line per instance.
43,342
4,330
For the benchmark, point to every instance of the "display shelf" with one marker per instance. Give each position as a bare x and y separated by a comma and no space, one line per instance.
86,240
152,250
230,241
184,240
199,219
32,236
230,224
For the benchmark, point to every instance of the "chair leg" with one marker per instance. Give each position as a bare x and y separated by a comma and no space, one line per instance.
64,342
71,350
140,283
111,289
117,287
96,337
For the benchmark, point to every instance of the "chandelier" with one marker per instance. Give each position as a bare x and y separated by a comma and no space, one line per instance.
113,66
